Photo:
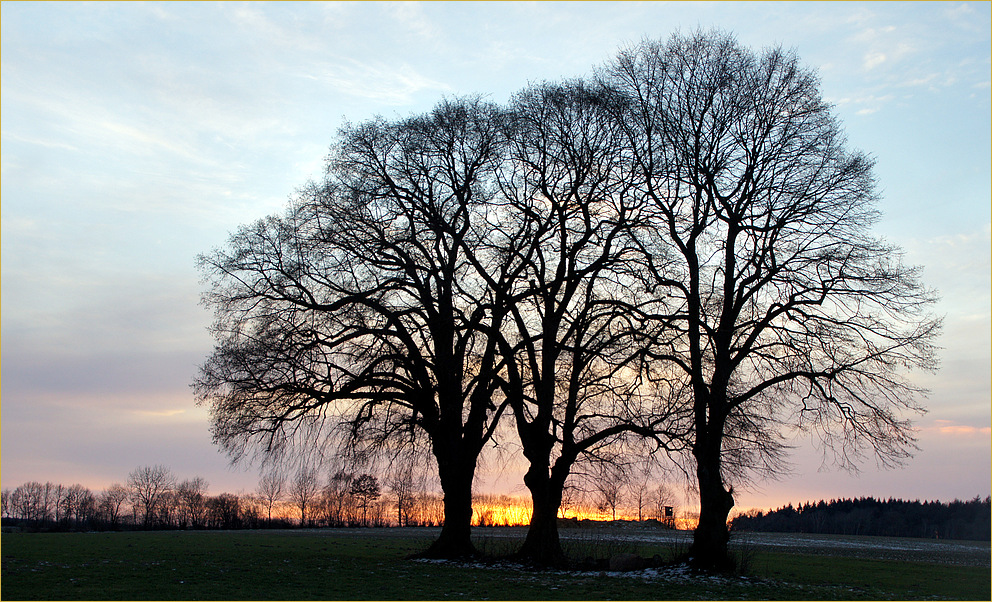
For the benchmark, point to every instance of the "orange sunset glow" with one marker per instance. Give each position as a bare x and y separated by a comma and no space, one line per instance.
515,511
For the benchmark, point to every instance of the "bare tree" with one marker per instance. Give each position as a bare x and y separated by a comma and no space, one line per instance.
250,506
638,487
403,485
428,509
358,305
366,490
191,507
111,502
149,487
167,509
32,501
608,484
271,487
224,511
664,505
578,309
337,494
572,497
78,505
787,309
19,502
303,490
57,496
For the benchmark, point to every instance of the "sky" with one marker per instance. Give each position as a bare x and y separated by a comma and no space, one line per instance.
136,136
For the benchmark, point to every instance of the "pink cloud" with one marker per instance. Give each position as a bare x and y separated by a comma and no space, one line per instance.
946,427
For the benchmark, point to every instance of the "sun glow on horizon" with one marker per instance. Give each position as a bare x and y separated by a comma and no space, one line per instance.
516,511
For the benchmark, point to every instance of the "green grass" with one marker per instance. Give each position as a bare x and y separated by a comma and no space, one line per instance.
879,579
322,565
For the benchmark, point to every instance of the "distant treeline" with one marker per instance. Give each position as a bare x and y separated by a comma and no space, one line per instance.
154,498
867,516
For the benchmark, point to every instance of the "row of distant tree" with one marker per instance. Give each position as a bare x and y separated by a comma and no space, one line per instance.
153,497
867,516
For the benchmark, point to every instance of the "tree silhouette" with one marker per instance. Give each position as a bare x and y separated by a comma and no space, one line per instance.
111,502
366,489
271,487
578,310
150,486
677,251
360,304
402,482
190,502
788,310
303,490
336,494
608,484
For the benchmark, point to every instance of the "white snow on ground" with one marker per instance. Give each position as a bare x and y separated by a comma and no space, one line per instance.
773,540
674,574
616,537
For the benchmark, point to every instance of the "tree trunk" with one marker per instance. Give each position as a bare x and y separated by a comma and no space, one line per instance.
709,544
542,546
455,539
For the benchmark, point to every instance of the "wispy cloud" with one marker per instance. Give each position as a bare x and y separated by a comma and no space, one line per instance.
909,49
949,428
963,15
889,47
965,252
411,17
39,141
160,413
873,59
390,84
959,10
865,105
256,22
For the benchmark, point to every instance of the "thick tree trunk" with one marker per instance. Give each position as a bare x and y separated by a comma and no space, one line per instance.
709,544
455,540
542,546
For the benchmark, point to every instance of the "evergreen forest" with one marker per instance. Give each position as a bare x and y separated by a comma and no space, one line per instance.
868,516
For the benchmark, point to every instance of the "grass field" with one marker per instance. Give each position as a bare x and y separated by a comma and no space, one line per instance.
372,565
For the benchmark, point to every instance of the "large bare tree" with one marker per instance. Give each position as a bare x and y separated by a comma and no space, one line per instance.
680,250
360,305
579,312
789,310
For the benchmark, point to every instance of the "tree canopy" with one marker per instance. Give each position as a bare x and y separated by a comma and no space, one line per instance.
676,250
790,311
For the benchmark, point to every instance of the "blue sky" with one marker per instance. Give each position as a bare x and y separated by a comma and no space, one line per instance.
135,136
